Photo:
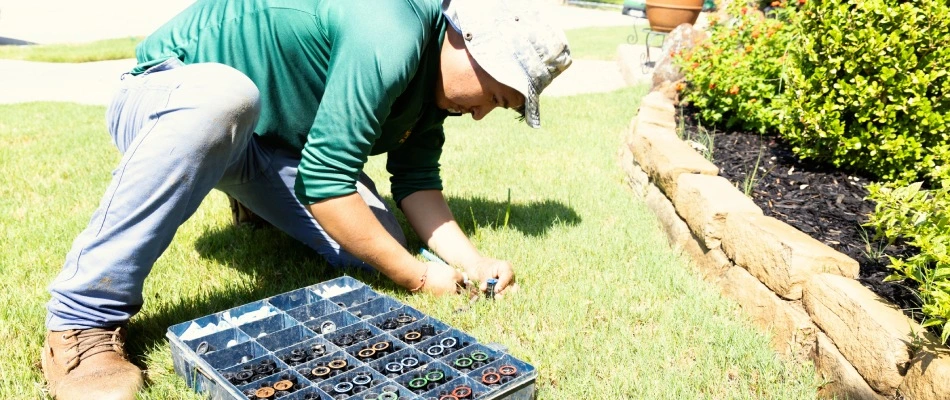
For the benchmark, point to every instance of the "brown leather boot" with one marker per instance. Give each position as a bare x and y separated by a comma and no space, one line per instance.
241,215
89,364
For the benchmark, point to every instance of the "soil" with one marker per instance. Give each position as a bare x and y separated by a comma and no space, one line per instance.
822,201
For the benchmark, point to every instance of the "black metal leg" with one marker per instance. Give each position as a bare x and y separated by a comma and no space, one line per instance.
647,60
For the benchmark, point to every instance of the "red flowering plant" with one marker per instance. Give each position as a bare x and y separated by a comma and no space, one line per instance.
735,77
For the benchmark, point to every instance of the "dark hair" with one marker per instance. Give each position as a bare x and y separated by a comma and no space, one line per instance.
521,110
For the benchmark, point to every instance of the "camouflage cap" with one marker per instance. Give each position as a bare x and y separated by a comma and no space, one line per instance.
511,41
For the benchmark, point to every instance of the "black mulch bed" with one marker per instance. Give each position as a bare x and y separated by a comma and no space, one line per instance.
822,201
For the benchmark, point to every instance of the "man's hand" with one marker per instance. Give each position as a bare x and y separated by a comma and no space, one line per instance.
485,268
441,279
431,218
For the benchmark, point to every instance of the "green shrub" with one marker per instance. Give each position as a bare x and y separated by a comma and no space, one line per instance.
923,218
735,76
869,88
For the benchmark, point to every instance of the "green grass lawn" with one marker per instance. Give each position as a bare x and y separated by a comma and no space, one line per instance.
109,49
605,309
600,43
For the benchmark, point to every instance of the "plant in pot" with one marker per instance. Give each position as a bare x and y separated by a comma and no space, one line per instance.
665,15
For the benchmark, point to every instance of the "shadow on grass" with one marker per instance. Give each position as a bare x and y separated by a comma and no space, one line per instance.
532,219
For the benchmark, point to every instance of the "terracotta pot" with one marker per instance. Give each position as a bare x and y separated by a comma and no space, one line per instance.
665,15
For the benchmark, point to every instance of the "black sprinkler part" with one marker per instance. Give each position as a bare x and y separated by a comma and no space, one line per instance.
326,327
435,375
283,385
388,324
491,378
393,367
412,336
343,388
264,368
318,349
320,372
362,379
382,346
435,350
405,319
362,334
508,370
388,396
204,348
344,340
409,361
462,363
338,364
462,392
427,330
265,393
244,375
418,384
366,353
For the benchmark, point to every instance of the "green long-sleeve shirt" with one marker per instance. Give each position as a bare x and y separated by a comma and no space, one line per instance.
340,80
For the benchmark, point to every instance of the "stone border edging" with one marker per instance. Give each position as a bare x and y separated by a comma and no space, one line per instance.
788,282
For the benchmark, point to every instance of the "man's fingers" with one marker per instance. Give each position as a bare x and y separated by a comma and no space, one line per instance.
505,277
508,291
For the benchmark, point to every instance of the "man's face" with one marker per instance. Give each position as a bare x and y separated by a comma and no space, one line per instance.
464,87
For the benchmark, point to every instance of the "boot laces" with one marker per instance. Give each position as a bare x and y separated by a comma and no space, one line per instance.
90,342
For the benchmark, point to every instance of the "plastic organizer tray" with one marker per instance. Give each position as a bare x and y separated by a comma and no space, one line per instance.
339,339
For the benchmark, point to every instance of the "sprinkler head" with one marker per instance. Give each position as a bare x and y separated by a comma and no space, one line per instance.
404,319
427,330
412,336
362,334
244,375
362,379
462,392
382,346
366,353
327,327
435,350
393,367
265,393
491,378
435,375
409,361
320,372
490,292
204,348
388,324
343,388
339,363
507,370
